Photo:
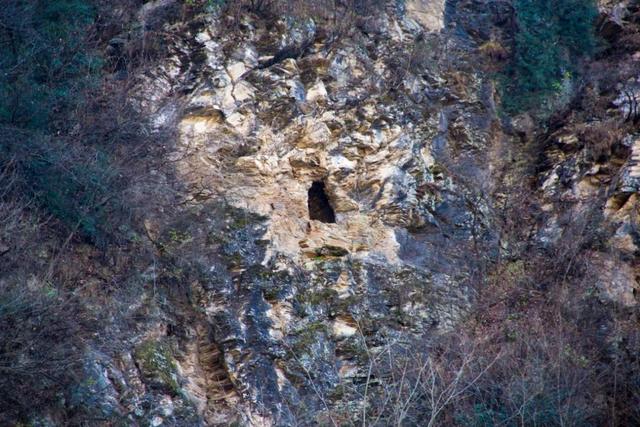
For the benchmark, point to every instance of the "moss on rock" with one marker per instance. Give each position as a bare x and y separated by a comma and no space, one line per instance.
157,365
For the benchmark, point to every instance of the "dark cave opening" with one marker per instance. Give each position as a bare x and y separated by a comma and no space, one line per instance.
319,206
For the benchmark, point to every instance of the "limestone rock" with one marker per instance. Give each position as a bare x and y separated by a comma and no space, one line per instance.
428,13
268,119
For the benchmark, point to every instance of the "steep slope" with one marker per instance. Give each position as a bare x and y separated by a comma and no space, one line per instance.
393,127
335,224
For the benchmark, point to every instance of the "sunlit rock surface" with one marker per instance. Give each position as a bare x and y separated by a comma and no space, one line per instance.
393,132
399,141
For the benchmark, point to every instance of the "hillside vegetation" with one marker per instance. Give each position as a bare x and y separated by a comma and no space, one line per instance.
473,260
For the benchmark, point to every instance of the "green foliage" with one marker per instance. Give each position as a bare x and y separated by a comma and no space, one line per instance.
77,185
47,66
77,188
551,36
45,62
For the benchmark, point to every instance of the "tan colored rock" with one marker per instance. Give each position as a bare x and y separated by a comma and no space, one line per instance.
428,13
290,66
196,125
616,280
635,159
243,91
348,369
625,243
317,92
236,70
343,285
281,314
240,123
344,327
341,201
359,153
315,134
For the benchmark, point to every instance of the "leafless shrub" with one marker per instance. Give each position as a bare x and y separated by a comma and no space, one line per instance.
419,384
599,138
532,377
318,9
336,17
494,55
631,104
40,340
18,226
40,349
630,41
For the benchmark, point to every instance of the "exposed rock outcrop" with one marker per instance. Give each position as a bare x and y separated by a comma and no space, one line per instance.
351,193
336,195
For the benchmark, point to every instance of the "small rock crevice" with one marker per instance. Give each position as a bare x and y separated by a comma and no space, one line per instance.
319,206
220,389
209,383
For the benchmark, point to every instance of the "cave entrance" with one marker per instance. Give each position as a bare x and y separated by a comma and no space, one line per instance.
319,207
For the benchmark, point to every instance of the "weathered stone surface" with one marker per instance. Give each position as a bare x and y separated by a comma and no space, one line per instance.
283,308
428,14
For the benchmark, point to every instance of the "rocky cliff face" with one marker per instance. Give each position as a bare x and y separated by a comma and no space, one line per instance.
337,195
589,170
336,199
